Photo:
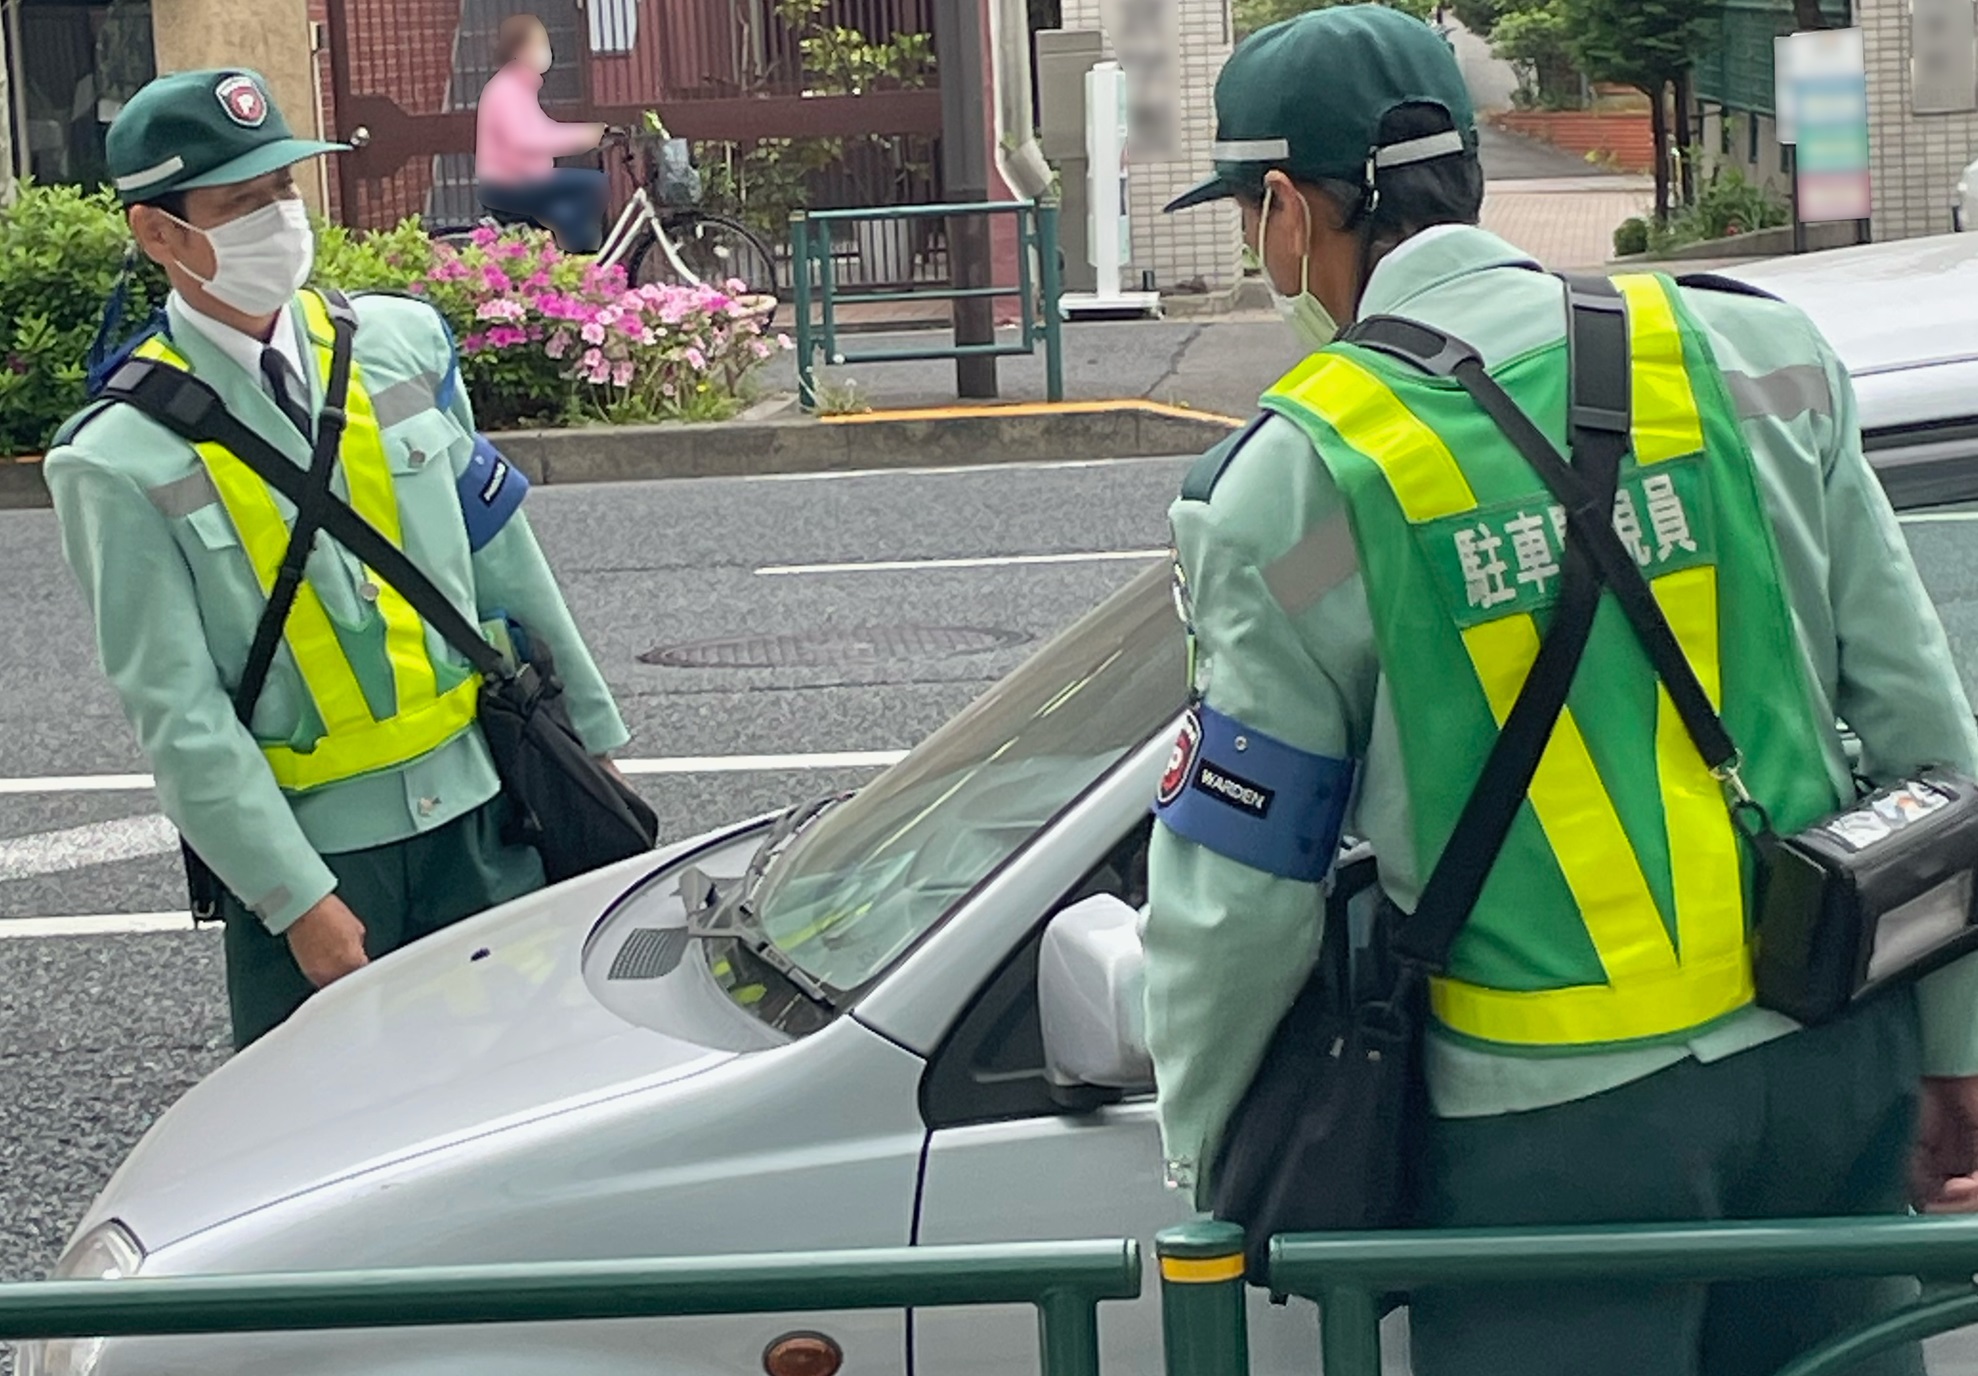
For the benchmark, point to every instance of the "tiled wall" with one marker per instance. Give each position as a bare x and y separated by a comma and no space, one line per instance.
1196,246
1914,160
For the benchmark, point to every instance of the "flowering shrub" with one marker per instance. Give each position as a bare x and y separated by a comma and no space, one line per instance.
547,338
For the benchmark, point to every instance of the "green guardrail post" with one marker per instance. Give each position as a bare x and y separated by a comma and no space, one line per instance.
800,263
1349,1332
1049,280
1204,1328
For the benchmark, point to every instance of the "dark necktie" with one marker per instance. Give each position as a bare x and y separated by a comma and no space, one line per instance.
287,389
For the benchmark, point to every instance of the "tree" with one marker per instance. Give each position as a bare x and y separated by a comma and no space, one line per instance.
1252,15
1647,44
1535,37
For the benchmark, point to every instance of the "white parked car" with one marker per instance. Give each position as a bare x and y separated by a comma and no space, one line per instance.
1964,205
906,1017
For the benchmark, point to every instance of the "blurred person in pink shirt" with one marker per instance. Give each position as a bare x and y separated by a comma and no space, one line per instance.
516,145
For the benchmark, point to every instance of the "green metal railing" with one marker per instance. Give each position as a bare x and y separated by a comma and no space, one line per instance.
1348,1273
1064,1281
1037,290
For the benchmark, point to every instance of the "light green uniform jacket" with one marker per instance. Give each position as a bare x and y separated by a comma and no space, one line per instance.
176,604
1286,646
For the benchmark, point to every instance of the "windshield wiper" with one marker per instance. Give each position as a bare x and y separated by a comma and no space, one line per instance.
712,914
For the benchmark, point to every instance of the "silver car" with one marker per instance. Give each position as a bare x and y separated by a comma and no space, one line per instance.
908,1016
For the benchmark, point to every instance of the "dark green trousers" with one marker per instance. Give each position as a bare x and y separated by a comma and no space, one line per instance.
1817,1123
400,892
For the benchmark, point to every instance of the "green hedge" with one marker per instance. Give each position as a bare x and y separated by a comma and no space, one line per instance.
545,338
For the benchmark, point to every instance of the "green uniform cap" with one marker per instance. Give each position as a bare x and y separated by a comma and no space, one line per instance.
193,129
1308,96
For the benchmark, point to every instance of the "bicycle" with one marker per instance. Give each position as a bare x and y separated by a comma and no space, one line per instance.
659,242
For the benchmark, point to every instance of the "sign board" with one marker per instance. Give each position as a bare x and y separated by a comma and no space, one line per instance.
1943,57
1146,38
1110,227
1822,105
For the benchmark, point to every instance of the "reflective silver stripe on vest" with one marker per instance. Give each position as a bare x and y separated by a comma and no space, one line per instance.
183,496
1782,394
401,401
1323,558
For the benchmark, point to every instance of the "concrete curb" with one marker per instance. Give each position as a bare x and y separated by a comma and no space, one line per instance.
950,438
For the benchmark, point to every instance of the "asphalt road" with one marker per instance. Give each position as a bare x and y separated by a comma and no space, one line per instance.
99,1033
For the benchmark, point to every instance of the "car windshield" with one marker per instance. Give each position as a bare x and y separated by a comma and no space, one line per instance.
873,875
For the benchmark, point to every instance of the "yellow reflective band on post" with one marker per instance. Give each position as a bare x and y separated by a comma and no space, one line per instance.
1588,841
1202,1270
355,740
1666,422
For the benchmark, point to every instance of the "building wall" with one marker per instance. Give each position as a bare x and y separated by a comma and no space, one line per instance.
1914,160
271,37
1196,246
1733,147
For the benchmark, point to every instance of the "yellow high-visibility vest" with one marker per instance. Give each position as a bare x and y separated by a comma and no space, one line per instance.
355,741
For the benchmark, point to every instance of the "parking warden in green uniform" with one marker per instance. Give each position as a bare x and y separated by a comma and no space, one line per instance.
1368,566
362,809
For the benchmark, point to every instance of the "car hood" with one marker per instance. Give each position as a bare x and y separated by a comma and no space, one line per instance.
1897,305
480,1027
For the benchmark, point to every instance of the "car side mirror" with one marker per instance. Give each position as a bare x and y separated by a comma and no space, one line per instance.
1090,977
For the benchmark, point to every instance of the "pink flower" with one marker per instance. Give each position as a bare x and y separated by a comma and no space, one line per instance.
737,287
697,360
472,344
512,250
495,279
538,280
593,332
760,349
601,374
507,336
484,235
558,345
499,309
784,342
621,373
632,327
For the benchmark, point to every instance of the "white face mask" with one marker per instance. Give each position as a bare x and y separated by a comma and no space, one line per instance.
1304,313
261,259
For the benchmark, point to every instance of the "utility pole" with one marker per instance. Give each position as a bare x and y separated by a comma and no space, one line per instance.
7,186
958,59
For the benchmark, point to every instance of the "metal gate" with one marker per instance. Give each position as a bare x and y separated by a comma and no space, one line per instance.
406,75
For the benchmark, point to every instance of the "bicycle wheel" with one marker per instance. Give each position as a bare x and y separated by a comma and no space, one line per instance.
714,250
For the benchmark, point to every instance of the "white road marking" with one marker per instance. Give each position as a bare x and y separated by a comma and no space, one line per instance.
101,924
98,843
989,562
670,764
1932,518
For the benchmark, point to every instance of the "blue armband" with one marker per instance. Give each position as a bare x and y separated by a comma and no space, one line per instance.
491,488
1254,799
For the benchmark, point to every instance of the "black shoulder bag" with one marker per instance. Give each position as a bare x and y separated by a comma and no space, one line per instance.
574,810
1321,1140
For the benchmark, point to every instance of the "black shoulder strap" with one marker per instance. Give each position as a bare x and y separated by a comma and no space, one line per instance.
1710,281
1207,471
1600,424
308,510
192,410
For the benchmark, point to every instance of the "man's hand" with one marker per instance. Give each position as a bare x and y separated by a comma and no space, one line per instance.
1943,1174
328,942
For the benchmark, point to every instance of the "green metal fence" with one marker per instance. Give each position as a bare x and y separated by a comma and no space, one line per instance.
1348,1273
1064,1281
1036,289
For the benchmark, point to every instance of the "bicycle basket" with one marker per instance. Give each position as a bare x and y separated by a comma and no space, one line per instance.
669,170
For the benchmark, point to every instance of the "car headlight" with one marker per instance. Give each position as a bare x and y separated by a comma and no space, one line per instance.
106,1252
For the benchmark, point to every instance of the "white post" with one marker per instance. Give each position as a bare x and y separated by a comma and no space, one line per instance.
1109,225
8,56
1105,160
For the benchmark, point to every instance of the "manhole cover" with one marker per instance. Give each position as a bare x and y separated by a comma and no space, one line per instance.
823,648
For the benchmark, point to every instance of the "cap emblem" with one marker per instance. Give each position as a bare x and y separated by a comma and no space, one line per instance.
243,101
